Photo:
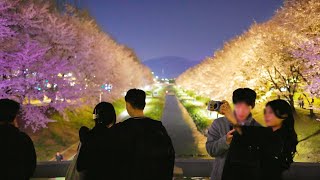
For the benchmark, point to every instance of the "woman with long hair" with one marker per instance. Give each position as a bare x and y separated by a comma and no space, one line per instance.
262,152
96,152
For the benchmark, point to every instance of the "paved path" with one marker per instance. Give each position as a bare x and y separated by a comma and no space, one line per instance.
187,141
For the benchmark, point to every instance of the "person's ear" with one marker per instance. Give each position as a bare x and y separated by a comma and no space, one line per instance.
128,105
15,123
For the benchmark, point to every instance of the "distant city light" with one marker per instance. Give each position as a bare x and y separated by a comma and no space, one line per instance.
107,87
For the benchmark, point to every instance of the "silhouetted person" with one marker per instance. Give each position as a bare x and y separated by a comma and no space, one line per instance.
145,147
301,101
311,104
220,132
59,157
17,154
97,153
262,153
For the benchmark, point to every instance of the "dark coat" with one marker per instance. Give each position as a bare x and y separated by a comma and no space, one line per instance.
258,154
17,154
146,149
95,159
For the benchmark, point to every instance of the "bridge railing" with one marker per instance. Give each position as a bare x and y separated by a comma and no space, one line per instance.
188,168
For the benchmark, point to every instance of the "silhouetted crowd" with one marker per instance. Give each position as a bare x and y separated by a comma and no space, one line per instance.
140,148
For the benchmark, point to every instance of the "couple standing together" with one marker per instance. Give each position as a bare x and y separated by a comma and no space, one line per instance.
137,149
243,149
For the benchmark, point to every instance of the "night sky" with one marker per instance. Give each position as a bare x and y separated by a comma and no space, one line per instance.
192,29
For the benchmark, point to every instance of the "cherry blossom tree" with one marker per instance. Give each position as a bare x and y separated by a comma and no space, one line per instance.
51,60
309,54
262,57
33,70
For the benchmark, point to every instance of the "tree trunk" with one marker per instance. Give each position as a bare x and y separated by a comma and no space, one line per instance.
310,103
312,113
311,108
291,101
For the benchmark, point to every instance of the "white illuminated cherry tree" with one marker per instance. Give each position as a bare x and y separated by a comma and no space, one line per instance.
268,57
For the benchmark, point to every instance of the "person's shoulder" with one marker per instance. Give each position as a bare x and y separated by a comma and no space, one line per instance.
25,138
17,134
139,120
256,123
153,122
117,126
220,121
122,124
83,133
120,128
24,135
137,123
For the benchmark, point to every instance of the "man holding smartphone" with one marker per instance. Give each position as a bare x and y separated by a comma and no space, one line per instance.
220,132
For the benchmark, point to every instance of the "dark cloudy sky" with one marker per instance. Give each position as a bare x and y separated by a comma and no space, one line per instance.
192,29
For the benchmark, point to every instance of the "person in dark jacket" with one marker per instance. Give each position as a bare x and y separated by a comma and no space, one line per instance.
220,133
96,156
144,144
262,153
17,154
59,157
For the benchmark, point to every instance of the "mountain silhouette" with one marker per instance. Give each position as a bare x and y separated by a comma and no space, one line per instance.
169,66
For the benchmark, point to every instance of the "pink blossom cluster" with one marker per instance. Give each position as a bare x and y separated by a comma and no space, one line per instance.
52,61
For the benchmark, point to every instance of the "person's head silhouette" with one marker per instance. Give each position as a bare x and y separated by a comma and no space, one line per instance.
104,114
135,102
8,110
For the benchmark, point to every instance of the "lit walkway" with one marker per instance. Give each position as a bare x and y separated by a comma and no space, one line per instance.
186,139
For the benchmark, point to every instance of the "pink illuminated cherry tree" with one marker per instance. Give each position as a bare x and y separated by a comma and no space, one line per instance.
53,61
309,53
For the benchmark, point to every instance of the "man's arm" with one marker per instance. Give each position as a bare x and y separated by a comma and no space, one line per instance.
216,144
